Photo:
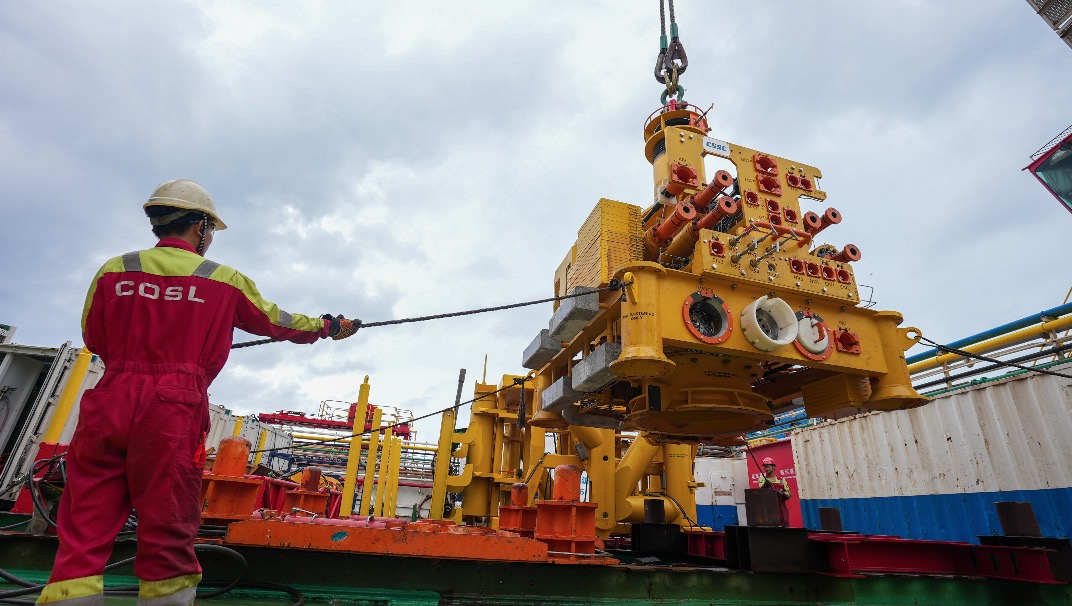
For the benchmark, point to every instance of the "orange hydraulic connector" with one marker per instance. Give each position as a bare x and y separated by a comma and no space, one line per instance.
813,223
725,206
850,253
564,523
307,496
719,183
661,235
226,495
685,240
518,516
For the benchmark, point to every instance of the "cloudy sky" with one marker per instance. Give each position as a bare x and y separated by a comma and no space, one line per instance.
392,159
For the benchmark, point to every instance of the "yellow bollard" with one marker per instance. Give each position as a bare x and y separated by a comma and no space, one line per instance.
353,457
370,461
66,401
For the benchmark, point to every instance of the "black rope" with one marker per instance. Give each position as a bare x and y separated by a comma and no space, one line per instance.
614,285
400,423
961,352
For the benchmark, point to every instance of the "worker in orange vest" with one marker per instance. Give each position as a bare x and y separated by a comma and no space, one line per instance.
162,320
770,480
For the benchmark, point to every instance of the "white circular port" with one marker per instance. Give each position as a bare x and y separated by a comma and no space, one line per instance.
812,334
769,323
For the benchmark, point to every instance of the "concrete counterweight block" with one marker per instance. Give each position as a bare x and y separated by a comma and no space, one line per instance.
593,371
574,314
540,351
559,395
572,415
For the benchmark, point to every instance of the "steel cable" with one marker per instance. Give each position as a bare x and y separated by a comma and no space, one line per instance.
614,285
1010,364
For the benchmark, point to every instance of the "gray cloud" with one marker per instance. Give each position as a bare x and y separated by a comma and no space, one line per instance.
414,158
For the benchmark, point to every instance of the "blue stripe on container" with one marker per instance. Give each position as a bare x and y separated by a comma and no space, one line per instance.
945,517
716,516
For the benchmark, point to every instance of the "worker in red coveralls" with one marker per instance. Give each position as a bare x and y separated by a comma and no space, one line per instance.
162,320
771,481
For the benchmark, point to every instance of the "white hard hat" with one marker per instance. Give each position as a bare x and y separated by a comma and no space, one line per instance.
187,195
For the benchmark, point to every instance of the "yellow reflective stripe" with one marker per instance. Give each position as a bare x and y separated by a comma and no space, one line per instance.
148,590
168,261
275,315
71,589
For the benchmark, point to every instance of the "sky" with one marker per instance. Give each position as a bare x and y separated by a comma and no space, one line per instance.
393,159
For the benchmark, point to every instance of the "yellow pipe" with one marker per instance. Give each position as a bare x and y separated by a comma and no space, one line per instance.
370,461
238,426
353,457
260,447
383,477
1013,338
70,392
630,470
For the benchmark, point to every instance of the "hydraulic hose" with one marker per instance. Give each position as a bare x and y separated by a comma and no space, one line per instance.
6,597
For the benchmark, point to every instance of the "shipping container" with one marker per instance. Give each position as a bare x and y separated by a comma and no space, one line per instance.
720,498
935,472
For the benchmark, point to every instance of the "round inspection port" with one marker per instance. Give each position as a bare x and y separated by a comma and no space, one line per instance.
751,198
765,164
792,180
772,206
718,249
774,219
796,266
813,337
769,323
805,184
844,276
813,269
706,317
791,215
828,273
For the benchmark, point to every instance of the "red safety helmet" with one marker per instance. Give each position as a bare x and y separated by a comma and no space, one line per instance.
768,461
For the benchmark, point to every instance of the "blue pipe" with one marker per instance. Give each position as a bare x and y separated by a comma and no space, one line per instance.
1056,312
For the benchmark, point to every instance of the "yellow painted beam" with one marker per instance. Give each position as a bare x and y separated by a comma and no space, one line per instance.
385,466
260,446
370,461
391,506
442,465
238,426
353,458
66,401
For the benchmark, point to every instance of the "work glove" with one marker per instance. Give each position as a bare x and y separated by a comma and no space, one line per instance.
339,327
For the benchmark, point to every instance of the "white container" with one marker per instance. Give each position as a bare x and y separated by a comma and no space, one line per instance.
934,472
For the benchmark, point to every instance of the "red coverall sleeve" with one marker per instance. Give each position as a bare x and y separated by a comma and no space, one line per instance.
258,316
